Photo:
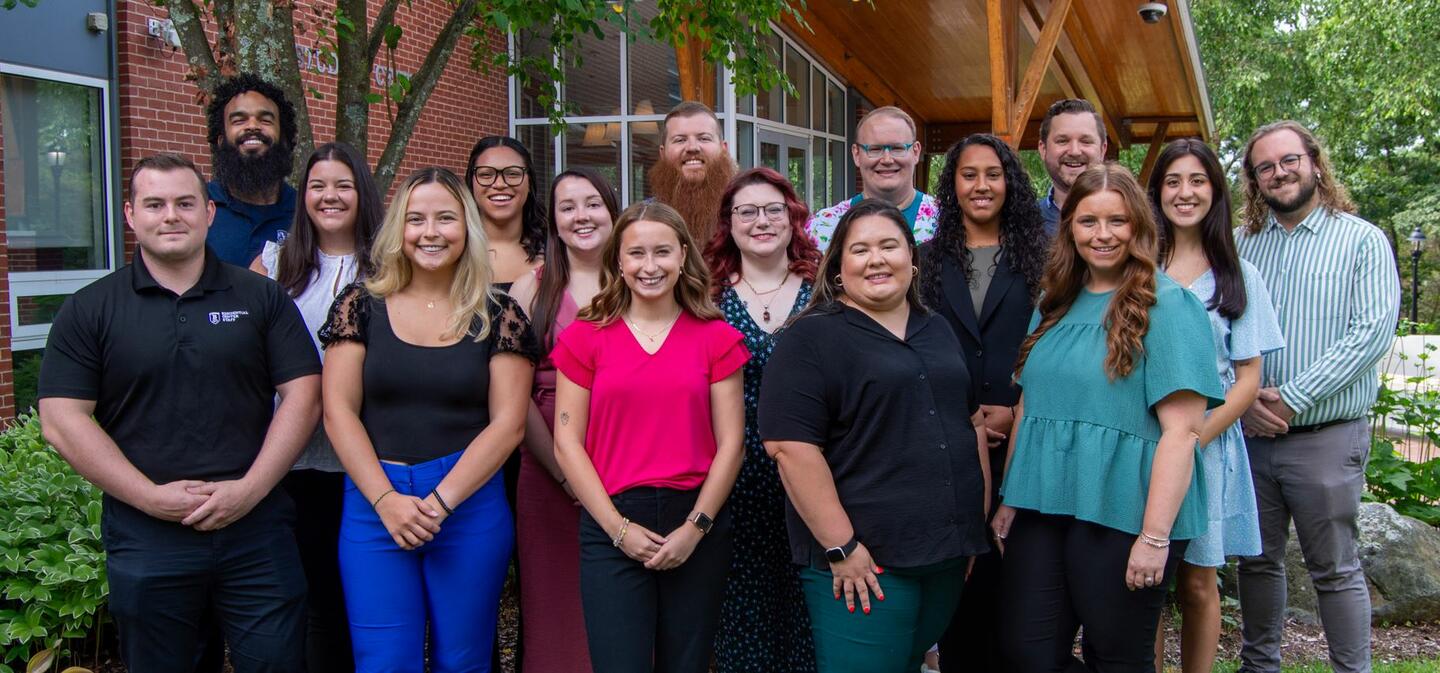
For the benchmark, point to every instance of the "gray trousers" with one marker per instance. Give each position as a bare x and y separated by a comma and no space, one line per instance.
1316,478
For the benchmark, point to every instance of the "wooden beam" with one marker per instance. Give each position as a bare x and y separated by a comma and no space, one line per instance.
1065,77
1039,63
1086,60
1189,52
1157,141
823,43
1074,69
939,137
1000,20
697,75
1130,121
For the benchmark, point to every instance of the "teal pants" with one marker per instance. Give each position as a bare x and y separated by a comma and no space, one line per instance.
893,638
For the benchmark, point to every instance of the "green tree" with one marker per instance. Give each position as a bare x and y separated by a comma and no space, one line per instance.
223,37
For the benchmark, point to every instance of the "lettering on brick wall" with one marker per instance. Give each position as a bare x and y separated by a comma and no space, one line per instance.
315,61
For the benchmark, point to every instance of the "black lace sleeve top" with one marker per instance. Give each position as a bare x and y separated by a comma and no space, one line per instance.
421,403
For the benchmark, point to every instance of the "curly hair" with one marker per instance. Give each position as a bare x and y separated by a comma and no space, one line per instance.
1127,319
1333,195
245,83
723,256
532,213
692,288
1023,241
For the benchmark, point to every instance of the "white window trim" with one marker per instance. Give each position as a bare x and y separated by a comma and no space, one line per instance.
33,283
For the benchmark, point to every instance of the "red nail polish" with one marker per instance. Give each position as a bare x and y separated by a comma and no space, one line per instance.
837,597
879,570
852,609
867,611
881,596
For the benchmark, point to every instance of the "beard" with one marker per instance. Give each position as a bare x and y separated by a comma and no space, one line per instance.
697,202
1307,184
242,173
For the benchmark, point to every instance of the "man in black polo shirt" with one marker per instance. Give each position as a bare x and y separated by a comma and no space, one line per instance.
178,357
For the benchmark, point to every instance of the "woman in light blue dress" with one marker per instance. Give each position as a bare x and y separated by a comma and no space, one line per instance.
1192,207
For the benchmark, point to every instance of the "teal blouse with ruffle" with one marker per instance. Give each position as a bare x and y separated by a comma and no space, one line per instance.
1086,444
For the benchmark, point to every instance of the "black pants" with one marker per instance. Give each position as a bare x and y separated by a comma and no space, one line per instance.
640,620
1061,574
167,581
318,498
972,642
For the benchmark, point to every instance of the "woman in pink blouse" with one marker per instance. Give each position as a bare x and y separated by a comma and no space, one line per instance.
649,424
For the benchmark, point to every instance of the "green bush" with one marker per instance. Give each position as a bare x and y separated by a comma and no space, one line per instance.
52,565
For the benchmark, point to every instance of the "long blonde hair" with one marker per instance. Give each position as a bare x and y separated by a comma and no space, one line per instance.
470,288
1127,319
692,289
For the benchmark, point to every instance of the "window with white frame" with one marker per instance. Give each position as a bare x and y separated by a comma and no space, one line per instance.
623,89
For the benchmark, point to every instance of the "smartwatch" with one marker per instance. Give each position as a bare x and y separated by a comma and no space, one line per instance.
838,554
702,521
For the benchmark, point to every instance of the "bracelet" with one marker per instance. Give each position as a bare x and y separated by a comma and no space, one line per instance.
620,537
376,503
1156,542
443,504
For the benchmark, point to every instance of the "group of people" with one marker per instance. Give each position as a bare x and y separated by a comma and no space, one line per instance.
713,432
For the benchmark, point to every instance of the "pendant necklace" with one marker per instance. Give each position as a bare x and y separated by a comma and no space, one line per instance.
652,337
765,305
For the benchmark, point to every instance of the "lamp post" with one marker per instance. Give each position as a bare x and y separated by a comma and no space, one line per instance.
1417,248
56,158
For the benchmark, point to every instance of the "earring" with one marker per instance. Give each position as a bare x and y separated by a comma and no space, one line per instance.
914,269
837,280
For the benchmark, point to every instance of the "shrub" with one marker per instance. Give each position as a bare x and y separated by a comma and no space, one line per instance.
52,565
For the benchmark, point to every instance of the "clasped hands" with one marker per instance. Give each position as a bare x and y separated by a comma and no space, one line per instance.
661,552
202,505
1268,415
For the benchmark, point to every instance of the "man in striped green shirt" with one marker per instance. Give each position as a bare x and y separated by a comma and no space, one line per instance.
1333,281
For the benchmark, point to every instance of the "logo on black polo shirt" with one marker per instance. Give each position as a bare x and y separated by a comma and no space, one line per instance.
217,317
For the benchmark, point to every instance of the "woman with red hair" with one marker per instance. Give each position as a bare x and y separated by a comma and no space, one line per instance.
762,267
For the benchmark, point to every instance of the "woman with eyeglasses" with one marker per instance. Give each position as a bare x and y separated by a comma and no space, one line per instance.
502,181
763,266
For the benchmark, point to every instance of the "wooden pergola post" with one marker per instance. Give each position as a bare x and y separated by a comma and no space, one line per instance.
1157,141
697,75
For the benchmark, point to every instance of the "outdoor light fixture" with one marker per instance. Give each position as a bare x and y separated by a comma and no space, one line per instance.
56,158
1417,248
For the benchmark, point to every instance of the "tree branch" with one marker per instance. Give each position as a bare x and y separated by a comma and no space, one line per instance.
421,85
198,53
382,21
352,82
225,21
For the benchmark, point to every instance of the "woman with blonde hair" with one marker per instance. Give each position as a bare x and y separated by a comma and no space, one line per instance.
1101,494
649,425
426,384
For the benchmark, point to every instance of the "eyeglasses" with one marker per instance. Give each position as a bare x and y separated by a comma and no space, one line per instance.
513,175
775,212
875,151
1290,162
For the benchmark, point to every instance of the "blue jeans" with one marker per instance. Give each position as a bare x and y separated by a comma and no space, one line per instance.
451,583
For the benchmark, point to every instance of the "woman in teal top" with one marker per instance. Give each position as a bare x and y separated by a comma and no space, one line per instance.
1101,493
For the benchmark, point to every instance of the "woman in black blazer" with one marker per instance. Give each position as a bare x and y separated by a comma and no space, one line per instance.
981,272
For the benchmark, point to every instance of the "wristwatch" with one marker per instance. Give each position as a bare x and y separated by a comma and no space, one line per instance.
838,554
702,521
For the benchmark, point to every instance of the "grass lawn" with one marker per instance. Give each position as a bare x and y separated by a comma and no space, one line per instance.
1413,666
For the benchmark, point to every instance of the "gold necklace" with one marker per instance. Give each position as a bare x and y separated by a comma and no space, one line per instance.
652,337
764,305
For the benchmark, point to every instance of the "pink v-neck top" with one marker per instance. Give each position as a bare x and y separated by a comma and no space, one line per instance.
650,419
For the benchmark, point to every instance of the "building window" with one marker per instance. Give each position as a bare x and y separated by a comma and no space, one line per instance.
620,95
58,215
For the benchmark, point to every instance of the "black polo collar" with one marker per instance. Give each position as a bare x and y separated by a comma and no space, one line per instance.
212,278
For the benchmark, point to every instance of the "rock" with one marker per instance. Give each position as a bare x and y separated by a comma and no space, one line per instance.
1401,559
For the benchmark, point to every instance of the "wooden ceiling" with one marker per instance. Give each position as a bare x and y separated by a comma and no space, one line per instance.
934,58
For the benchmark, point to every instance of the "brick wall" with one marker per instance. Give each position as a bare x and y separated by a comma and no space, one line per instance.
159,112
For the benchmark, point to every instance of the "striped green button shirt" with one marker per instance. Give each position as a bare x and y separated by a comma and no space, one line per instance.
1337,293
